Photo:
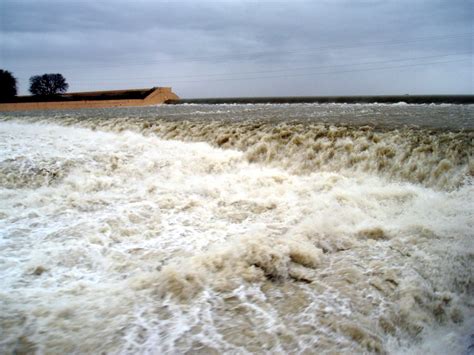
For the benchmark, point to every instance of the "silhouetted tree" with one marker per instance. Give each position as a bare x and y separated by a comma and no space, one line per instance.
7,85
48,84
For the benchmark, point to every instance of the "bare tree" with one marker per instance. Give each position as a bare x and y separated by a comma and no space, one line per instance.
7,85
48,84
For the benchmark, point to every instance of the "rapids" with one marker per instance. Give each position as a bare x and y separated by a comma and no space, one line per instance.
161,231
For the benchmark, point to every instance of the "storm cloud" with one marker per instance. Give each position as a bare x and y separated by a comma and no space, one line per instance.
243,48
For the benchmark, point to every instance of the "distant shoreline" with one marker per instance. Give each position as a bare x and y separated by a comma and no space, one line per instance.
387,99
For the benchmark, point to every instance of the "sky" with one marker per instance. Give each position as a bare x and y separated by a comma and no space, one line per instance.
233,48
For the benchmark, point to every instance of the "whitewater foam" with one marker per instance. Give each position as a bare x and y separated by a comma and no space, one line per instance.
148,245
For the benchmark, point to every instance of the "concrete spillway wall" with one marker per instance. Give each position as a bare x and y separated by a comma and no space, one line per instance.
73,101
410,99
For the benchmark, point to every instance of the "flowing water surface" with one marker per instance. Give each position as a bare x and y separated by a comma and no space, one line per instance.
298,228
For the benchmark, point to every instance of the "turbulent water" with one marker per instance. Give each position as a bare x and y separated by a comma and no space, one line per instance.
297,228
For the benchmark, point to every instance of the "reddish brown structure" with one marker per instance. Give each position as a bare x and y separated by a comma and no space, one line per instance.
96,99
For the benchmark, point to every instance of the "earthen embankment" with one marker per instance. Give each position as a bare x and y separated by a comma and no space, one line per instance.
99,99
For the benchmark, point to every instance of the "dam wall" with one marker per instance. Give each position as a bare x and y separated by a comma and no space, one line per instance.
382,99
99,99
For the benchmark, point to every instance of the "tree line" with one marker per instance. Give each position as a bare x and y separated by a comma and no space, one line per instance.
40,85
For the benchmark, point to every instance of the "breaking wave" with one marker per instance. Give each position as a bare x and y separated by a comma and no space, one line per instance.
433,158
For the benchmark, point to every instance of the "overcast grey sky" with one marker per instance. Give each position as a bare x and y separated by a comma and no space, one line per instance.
243,48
